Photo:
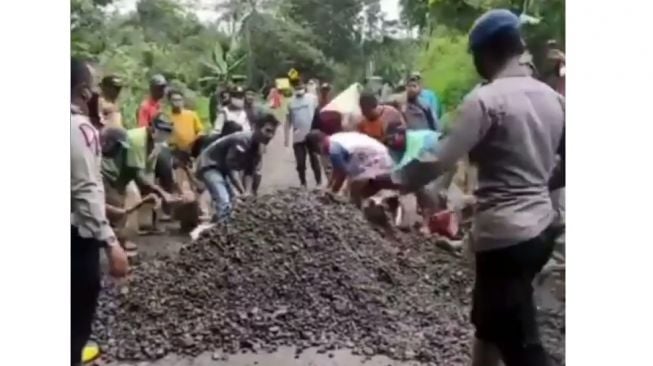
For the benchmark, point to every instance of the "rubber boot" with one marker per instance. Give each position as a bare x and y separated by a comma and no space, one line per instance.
485,354
90,353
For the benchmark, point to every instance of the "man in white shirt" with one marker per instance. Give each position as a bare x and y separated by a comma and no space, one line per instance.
301,112
234,113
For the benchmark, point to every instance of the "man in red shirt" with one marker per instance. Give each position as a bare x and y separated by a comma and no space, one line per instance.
151,107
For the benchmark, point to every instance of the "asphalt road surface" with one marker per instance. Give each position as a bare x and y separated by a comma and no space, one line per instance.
279,166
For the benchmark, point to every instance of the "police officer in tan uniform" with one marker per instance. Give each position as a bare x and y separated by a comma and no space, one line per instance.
512,128
90,230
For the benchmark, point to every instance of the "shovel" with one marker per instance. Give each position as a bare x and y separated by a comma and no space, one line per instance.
200,229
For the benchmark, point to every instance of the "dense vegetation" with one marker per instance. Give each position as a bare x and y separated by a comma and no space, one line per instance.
337,40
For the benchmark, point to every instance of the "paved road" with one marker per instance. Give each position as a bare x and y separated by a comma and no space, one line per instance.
279,166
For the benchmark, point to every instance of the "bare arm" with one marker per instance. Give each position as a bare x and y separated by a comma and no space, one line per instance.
337,180
252,178
114,211
219,123
146,185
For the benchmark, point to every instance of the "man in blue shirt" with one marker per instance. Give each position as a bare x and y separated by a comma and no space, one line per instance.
418,112
428,97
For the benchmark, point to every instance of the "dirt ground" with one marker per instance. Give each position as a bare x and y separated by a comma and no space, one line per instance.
278,172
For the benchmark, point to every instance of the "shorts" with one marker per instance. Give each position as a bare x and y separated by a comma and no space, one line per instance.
503,308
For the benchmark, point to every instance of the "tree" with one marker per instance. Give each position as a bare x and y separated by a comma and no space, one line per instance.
293,47
329,39
222,65
415,13
335,22
86,24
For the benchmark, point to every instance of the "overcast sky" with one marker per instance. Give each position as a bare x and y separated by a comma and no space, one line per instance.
389,7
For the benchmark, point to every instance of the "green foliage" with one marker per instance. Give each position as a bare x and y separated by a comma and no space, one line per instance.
447,67
202,109
395,58
445,63
279,45
334,40
334,20
222,65
415,12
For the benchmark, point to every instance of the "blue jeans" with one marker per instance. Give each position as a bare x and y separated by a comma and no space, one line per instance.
221,193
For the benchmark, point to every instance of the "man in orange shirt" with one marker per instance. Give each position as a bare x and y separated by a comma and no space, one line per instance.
376,118
151,107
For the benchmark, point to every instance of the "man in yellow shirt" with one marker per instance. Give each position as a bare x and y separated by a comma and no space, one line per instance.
186,129
186,124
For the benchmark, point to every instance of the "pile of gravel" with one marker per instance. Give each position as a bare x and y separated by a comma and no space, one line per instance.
296,269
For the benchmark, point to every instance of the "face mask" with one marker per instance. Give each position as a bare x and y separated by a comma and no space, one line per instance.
237,102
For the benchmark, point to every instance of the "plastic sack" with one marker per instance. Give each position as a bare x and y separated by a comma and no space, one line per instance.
444,223
343,112
282,84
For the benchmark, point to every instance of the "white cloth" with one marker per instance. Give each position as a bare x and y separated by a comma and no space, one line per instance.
353,141
368,158
226,114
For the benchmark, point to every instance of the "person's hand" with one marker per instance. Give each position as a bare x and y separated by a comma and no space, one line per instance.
240,196
166,198
118,262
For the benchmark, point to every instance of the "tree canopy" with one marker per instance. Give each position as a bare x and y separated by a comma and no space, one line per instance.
341,41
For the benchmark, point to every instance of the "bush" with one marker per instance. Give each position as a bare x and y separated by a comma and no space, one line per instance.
448,69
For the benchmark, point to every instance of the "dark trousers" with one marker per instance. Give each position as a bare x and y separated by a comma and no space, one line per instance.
164,171
301,150
84,291
503,310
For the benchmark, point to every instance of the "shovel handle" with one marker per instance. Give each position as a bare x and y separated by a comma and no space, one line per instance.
138,205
